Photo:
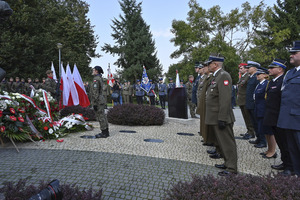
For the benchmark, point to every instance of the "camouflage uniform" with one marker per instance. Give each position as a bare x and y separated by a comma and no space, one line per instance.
50,86
98,101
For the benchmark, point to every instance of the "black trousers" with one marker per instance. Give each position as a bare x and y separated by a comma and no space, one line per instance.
162,99
152,100
139,99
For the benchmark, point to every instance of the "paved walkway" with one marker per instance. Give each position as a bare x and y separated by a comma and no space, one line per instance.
124,165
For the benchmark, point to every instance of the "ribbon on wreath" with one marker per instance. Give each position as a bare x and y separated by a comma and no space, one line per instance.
30,100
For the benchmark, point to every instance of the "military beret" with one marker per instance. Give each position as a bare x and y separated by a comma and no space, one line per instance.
160,79
242,64
99,69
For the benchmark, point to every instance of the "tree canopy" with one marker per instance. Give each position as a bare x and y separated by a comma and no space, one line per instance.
28,39
134,45
212,31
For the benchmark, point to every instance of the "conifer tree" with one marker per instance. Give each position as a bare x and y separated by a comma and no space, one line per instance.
133,44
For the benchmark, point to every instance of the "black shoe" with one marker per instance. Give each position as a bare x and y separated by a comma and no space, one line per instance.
248,136
287,172
222,166
211,151
262,153
253,141
215,156
225,173
100,135
201,140
278,167
243,134
267,157
260,145
208,144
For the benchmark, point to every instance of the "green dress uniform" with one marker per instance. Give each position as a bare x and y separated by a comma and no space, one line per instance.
98,101
126,89
199,88
219,117
202,111
241,101
189,92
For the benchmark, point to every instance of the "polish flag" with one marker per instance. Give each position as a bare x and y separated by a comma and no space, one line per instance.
110,79
177,79
83,97
54,74
64,87
73,98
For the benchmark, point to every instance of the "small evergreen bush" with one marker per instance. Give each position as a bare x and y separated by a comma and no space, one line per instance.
237,187
135,115
20,191
87,113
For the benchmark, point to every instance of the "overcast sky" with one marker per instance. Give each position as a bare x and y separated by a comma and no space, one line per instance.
159,14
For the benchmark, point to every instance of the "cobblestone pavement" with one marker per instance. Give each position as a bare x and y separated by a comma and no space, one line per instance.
124,165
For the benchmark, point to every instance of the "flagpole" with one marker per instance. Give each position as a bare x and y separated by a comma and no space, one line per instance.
59,46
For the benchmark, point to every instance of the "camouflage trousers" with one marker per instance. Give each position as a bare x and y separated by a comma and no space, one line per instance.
192,107
101,117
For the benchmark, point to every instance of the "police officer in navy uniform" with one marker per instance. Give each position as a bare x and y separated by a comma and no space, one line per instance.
273,99
260,106
289,115
250,105
162,92
219,115
152,93
139,92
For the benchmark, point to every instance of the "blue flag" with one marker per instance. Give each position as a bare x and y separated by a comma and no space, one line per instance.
145,84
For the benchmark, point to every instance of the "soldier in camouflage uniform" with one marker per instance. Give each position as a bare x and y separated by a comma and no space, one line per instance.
50,84
17,86
189,89
98,101
3,85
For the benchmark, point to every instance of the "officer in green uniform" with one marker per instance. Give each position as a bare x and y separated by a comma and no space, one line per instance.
98,102
3,85
189,91
126,89
219,115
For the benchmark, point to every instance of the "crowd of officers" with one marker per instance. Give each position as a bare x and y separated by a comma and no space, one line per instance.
269,101
22,86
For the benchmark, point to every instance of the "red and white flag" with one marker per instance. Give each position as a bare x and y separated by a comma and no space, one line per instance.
73,98
110,79
54,74
83,97
64,87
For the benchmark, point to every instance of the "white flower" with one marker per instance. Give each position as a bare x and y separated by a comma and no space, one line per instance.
36,94
41,99
50,130
56,135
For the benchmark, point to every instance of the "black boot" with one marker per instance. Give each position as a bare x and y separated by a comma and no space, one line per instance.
103,134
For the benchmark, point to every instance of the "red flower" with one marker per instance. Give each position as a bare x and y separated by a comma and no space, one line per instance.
80,114
2,128
51,125
46,128
1,114
12,110
20,129
13,118
21,119
21,110
85,118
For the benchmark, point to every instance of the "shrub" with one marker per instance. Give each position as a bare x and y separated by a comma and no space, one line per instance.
87,112
21,191
135,115
237,187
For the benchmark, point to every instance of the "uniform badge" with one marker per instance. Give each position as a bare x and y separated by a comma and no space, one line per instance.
226,82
